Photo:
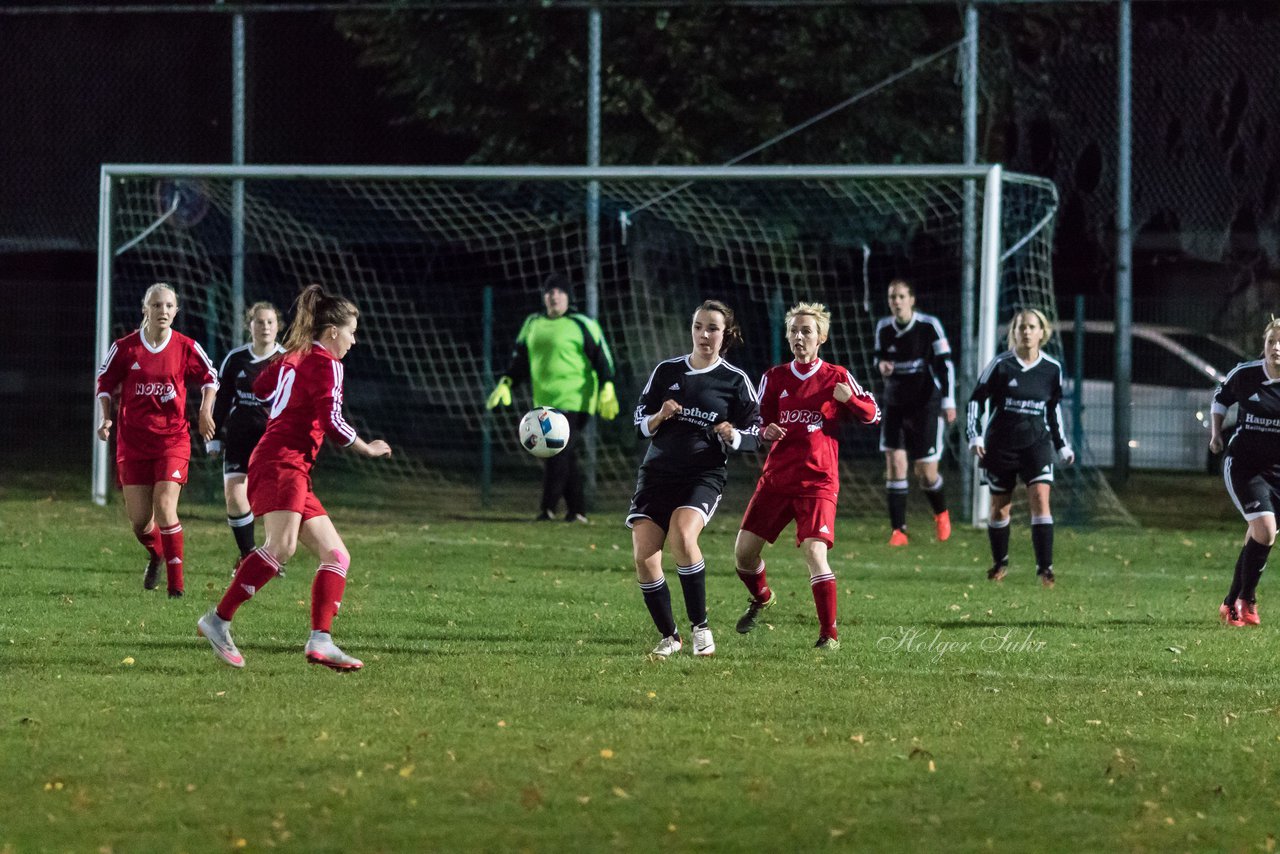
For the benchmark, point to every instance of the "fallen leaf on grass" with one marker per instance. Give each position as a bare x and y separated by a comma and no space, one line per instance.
620,792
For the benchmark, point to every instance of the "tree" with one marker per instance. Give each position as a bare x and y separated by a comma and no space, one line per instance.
687,85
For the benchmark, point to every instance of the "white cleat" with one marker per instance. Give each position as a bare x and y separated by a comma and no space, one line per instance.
218,632
666,647
703,643
322,650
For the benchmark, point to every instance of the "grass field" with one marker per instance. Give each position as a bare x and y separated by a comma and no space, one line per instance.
507,702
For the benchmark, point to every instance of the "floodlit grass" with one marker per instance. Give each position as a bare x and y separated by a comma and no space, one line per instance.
507,702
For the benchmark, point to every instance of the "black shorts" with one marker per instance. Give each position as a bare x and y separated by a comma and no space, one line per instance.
657,497
1034,464
918,430
237,447
1255,491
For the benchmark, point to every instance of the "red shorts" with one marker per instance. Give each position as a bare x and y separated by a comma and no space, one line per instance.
769,512
170,468
282,488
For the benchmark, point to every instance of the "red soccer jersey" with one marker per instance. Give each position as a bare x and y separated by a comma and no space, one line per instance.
152,420
305,396
801,399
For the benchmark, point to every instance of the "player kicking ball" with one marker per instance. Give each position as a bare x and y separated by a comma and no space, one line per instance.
304,388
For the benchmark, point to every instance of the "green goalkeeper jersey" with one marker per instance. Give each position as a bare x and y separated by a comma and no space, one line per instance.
565,359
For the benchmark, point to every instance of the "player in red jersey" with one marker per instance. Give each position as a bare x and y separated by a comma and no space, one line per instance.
153,446
304,389
802,405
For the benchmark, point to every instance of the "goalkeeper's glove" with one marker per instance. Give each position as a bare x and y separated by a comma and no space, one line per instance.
501,394
608,402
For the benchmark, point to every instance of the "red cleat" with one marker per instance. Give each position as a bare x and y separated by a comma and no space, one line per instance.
1248,612
898,537
942,524
1229,615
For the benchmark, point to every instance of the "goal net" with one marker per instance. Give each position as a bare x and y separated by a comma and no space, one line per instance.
445,264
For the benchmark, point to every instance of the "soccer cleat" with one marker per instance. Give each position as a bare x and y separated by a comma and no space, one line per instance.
322,650
544,516
998,572
218,632
1045,576
942,525
1248,612
1230,615
747,621
175,593
577,517
667,646
898,537
151,576
828,644
703,643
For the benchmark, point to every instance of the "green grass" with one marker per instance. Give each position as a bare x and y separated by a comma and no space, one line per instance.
507,702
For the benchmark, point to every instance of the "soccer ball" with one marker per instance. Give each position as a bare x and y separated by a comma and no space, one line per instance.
544,432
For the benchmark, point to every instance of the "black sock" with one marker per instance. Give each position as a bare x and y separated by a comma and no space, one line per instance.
896,493
937,498
999,537
693,581
1042,541
657,598
1254,560
242,530
1237,582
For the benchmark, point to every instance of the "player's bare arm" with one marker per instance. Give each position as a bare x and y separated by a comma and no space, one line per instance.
207,396
376,448
104,423
1215,433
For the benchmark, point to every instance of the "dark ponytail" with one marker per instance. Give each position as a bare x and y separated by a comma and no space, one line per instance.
313,312
732,331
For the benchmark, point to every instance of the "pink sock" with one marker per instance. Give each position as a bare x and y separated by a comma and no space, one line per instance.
150,540
824,599
255,570
755,582
171,539
326,595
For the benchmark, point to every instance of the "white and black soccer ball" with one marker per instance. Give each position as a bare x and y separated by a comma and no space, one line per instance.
544,432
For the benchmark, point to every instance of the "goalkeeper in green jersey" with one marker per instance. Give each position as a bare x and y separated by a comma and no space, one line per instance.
564,356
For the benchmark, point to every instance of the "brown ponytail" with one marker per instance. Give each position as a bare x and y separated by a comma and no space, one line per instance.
314,311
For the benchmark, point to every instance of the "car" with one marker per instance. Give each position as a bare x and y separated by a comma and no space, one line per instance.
1175,371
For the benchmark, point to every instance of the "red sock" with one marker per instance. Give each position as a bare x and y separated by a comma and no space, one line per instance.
150,540
326,595
171,539
255,570
824,599
756,582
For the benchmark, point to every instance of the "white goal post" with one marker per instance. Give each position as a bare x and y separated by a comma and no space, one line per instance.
766,235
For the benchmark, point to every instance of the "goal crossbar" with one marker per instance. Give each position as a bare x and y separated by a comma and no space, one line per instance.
989,257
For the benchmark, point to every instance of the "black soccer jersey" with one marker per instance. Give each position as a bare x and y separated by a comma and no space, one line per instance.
236,407
1256,442
921,358
1025,403
686,443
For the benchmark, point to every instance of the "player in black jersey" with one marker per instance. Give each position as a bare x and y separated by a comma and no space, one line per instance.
694,409
914,358
240,418
1024,388
1251,468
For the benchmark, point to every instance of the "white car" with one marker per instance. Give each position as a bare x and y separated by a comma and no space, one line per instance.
1175,372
